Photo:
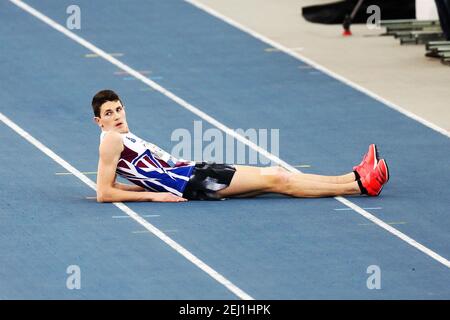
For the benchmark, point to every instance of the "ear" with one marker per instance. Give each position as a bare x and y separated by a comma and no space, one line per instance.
97,121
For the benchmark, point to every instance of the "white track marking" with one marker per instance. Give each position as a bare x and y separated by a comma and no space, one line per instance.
278,50
123,73
222,127
94,55
70,173
349,209
146,231
143,215
373,224
292,52
151,228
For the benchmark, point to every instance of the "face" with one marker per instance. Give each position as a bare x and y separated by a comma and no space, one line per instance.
112,117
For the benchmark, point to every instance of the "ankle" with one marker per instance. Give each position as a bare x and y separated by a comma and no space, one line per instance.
361,187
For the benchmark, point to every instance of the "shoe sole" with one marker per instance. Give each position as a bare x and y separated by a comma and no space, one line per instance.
387,169
387,175
377,156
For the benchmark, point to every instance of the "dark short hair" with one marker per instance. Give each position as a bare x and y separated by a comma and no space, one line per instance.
101,97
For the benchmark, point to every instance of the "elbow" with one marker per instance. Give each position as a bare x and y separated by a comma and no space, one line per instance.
101,199
103,196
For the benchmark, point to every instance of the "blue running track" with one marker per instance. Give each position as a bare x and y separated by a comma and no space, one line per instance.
270,247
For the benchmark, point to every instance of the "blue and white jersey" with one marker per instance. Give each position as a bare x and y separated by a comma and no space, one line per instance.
152,168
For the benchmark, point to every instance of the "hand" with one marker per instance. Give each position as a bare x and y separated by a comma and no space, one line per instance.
166,197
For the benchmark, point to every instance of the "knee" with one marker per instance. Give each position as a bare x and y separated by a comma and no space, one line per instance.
277,178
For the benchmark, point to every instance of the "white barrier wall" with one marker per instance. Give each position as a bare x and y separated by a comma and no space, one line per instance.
426,10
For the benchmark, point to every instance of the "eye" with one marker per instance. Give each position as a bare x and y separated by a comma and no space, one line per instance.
108,113
119,109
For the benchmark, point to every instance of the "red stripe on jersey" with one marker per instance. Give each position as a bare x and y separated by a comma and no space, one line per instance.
141,164
163,163
147,158
122,164
128,154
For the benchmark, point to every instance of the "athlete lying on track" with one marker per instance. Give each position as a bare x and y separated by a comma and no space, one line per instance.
158,176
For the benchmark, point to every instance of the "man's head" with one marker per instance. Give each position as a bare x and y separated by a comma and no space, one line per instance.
109,112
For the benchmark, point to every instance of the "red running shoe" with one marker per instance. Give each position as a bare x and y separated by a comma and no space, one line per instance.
373,182
368,163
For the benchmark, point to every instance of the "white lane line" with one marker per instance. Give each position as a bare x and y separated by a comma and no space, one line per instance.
123,73
316,65
94,55
70,173
278,50
146,231
143,215
350,209
222,127
389,223
151,228
302,166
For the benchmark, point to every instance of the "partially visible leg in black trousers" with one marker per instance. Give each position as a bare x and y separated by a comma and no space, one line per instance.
443,7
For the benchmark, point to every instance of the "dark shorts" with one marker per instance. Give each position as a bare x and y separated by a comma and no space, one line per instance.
208,178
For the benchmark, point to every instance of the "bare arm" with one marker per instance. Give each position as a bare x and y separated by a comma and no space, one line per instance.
128,187
108,190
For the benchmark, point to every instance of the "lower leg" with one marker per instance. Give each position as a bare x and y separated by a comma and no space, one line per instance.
346,178
313,186
299,186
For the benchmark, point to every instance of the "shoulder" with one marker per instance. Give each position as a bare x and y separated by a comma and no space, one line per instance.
112,137
112,142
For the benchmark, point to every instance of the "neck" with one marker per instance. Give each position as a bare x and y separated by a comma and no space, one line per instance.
128,131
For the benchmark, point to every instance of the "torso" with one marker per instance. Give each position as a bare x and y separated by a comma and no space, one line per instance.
152,168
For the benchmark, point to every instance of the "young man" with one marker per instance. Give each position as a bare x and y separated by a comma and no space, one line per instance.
158,176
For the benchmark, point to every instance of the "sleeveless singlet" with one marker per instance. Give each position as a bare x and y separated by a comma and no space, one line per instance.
152,168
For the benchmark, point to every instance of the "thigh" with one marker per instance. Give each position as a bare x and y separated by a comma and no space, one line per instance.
247,180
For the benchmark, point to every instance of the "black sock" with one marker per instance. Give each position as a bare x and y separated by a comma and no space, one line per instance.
357,176
361,187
